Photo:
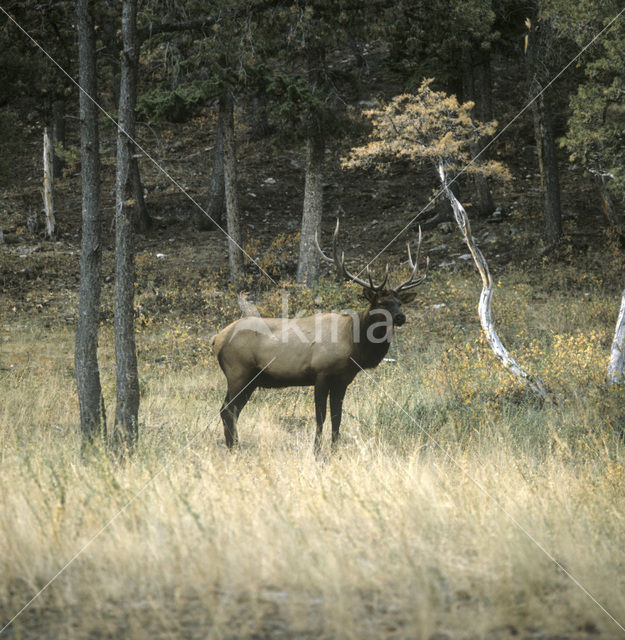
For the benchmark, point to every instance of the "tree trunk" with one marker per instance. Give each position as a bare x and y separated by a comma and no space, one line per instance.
484,87
235,256
58,136
308,264
215,206
126,413
476,88
550,177
534,383
141,219
539,41
48,184
92,415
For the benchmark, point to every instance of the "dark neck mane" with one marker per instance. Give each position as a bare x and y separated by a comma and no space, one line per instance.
366,353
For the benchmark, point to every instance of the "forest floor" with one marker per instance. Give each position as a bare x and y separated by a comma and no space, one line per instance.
426,523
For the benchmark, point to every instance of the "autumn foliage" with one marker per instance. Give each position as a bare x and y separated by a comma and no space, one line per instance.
429,126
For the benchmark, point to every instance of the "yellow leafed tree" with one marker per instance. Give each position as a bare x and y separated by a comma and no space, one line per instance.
432,127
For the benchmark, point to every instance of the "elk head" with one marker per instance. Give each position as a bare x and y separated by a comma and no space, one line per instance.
383,301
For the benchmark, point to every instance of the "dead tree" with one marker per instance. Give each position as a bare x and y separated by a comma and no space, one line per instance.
616,364
48,185
533,383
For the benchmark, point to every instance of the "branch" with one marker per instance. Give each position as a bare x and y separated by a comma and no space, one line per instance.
170,27
534,383
199,23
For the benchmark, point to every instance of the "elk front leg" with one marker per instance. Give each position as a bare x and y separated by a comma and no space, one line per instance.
337,393
321,403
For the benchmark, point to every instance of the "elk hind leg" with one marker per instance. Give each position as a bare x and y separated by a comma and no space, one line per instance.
236,398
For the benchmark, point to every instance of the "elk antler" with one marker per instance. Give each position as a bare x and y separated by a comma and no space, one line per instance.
413,281
339,262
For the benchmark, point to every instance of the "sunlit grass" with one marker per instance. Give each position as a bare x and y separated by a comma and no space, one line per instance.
419,524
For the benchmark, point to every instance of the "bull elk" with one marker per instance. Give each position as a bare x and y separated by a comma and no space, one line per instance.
325,350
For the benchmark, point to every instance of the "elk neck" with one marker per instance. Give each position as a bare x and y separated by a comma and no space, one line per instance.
375,332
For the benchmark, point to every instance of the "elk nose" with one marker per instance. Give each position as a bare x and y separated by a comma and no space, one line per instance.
399,319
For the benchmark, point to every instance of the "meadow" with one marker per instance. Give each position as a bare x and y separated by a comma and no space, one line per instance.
456,506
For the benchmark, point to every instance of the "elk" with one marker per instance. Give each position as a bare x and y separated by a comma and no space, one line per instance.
324,350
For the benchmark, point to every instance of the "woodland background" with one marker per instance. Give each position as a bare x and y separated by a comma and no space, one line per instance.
419,526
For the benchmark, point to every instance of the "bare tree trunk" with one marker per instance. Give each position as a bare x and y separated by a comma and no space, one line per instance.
142,221
126,413
215,207
235,256
550,178
58,135
476,88
48,184
534,383
616,365
308,264
538,43
92,414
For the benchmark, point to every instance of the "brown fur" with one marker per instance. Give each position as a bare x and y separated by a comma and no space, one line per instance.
325,350
317,351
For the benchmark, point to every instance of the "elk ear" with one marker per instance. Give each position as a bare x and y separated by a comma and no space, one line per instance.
369,294
407,296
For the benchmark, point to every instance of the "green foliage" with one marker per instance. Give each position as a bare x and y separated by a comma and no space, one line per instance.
70,155
429,38
292,102
294,97
179,104
596,134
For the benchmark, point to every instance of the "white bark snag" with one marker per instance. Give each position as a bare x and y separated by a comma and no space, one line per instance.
534,383
48,183
616,365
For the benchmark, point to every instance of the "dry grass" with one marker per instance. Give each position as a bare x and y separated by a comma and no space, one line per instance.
393,537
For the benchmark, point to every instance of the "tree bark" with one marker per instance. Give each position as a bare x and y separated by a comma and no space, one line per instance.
476,88
126,430
92,414
142,221
533,383
235,255
308,263
550,176
215,206
538,43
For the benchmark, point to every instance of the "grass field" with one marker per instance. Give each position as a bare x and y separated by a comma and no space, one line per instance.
425,524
